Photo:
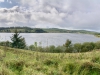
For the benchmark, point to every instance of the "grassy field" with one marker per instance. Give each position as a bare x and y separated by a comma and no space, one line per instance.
23,62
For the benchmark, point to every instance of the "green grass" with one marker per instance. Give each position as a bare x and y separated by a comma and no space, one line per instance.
23,62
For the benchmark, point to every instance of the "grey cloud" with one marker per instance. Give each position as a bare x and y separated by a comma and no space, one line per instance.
73,14
12,15
13,9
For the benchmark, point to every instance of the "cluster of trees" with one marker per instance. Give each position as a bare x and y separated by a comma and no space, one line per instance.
68,47
81,47
22,30
49,49
19,42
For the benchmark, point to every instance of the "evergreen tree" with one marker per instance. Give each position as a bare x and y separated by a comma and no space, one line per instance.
18,41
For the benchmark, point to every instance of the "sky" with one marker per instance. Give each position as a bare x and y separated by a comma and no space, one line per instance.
66,14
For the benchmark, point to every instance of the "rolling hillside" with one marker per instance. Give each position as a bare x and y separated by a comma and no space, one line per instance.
42,30
23,62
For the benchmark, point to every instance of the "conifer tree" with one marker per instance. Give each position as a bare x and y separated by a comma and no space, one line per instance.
18,41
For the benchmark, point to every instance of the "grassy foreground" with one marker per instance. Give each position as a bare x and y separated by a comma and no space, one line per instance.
21,62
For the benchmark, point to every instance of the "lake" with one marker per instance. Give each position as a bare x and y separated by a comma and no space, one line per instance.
46,39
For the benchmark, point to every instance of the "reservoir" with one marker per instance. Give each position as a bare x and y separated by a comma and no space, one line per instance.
47,39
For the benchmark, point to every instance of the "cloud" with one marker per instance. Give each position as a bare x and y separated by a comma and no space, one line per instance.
18,14
1,0
11,16
6,10
73,14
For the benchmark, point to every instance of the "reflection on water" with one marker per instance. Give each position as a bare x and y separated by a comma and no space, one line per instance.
45,39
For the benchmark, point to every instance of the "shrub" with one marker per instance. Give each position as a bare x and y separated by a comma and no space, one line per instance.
69,68
31,47
96,59
40,49
88,68
87,47
97,45
5,43
52,49
77,47
48,62
16,66
5,71
60,49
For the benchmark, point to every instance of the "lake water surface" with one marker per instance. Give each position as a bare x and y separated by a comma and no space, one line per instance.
46,39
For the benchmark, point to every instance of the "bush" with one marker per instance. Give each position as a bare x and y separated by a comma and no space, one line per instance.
60,49
5,43
16,66
50,49
50,62
77,47
31,47
69,68
97,45
87,46
88,68
96,59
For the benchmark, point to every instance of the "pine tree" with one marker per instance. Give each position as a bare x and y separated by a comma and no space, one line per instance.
18,41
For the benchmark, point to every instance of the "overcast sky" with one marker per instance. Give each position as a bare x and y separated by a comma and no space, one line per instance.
67,14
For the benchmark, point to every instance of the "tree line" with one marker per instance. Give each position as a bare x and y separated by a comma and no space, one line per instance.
22,30
68,47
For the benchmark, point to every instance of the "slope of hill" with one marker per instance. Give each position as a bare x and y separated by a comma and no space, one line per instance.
43,30
21,62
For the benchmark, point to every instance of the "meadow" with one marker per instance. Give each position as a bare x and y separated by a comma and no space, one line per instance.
25,62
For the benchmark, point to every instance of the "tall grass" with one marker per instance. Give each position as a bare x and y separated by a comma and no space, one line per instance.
21,62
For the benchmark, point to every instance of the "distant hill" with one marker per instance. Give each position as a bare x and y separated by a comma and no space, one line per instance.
43,30
21,30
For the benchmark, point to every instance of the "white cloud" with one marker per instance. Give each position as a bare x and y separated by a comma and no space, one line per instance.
1,0
12,15
75,14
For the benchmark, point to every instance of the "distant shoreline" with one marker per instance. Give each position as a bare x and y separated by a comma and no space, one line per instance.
43,30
